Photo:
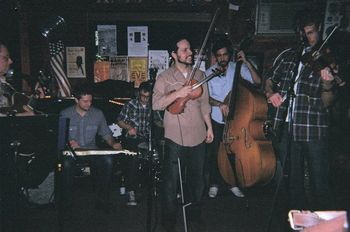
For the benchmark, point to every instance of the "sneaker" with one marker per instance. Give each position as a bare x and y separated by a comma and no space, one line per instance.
131,199
213,191
237,192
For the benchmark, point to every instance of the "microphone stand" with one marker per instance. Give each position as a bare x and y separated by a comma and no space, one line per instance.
291,98
59,195
153,167
63,143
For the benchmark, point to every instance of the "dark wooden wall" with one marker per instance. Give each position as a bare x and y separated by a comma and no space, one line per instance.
22,20
81,17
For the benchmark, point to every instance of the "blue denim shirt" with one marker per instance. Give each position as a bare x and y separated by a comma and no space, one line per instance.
84,129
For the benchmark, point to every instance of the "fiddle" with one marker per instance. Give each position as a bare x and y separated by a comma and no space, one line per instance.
179,104
320,57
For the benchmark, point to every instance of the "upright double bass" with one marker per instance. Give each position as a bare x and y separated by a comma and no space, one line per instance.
244,138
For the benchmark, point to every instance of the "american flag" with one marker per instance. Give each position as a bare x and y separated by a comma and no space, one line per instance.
57,68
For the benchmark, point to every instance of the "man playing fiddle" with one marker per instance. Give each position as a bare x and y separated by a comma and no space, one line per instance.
219,87
185,133
301,97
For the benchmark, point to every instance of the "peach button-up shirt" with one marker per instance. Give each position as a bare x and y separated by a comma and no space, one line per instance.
187,128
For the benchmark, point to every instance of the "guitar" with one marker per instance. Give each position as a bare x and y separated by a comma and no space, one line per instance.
18,100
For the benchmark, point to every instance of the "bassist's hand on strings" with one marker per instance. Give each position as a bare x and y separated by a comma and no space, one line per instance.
224,109
241,57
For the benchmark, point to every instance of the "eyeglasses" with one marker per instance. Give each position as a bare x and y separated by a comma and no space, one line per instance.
6,58
145,96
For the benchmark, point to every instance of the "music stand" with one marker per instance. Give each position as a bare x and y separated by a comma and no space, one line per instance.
20,136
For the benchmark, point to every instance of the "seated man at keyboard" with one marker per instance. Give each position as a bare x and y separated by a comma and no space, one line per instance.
85,123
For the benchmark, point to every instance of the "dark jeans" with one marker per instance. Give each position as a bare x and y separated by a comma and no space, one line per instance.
316,154
213,150
192,159
101,170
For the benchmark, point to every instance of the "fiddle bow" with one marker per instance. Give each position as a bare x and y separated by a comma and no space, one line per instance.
320,57
179,104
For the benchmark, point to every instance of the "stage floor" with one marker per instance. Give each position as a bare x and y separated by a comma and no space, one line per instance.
223,214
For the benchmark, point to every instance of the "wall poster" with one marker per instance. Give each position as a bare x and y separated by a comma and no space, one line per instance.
75,62
101,71
138,71
138,41
106,40
119,68
158,59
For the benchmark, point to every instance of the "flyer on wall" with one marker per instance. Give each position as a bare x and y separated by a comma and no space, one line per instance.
76,62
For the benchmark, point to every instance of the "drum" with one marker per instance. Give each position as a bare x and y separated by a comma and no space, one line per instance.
145,154
151,164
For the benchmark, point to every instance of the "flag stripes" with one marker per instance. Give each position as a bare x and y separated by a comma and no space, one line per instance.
57,68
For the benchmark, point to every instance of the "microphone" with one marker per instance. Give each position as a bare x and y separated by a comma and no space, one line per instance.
9,74
14,75
44,83
43,79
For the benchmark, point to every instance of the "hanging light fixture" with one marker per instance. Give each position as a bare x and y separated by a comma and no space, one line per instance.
53,26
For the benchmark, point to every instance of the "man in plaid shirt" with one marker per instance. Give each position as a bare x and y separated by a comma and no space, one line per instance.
135,119
301,98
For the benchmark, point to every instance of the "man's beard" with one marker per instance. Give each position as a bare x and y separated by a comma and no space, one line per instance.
185,62
223,64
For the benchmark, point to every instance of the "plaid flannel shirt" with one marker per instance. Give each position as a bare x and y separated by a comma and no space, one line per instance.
310,117
134,114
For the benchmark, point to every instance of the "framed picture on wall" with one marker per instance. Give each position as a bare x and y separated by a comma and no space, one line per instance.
75,62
